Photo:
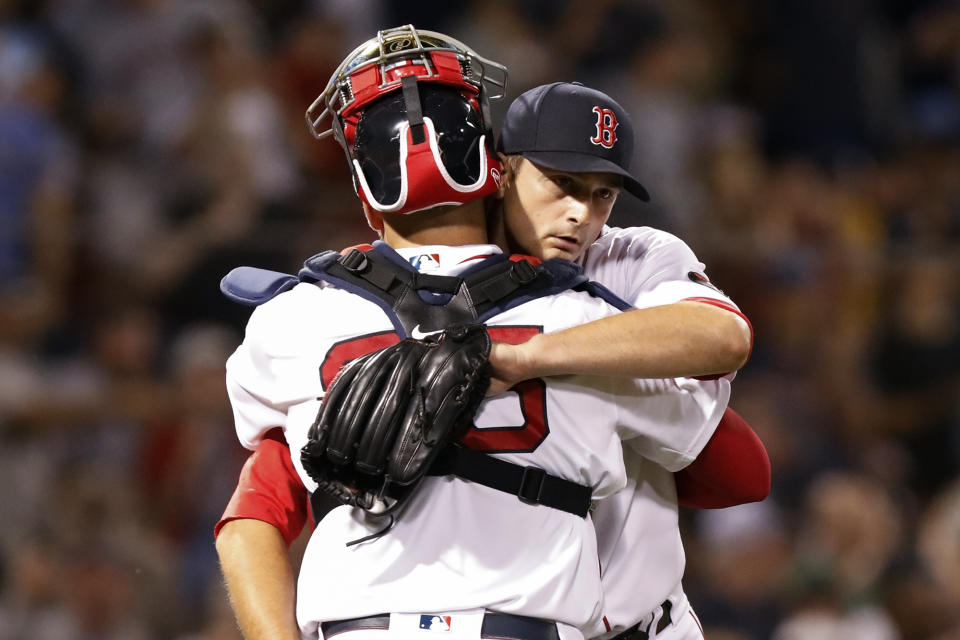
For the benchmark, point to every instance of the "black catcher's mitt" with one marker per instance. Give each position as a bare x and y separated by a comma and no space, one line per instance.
389,413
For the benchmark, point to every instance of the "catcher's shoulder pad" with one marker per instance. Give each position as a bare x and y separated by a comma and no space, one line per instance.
567,275
253,286
380,275
597,290
412,299
525,280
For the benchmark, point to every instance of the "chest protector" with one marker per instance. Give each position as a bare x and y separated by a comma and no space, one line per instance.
411,299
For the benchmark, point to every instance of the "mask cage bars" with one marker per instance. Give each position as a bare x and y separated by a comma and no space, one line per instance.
392,44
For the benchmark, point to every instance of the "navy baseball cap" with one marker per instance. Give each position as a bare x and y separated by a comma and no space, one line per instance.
566,126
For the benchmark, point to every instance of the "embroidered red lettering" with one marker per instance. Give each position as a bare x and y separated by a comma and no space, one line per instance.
606,128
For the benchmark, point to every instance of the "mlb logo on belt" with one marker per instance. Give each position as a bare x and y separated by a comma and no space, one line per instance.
435,623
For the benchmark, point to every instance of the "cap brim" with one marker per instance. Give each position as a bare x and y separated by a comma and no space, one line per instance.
585,163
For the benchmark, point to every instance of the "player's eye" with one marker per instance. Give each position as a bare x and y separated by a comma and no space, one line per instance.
564,182
606,193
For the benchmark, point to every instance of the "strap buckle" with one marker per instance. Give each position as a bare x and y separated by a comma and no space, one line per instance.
355,261
531,484
523,272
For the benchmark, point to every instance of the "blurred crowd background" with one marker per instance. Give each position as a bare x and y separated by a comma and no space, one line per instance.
807,150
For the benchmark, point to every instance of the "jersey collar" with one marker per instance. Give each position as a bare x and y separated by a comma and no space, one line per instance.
446,260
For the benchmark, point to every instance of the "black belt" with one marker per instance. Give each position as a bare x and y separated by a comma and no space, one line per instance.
495,625
636,633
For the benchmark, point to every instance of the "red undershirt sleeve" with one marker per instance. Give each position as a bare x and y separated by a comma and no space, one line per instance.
732,469
270,490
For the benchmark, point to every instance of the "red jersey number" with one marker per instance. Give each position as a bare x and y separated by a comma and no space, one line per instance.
343,352
532,394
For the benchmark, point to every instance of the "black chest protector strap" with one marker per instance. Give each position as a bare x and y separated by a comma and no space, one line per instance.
414,300
530,484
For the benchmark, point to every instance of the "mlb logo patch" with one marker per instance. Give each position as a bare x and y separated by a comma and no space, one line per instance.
435,623
426,261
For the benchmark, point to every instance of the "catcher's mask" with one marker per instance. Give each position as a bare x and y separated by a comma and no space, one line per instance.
410,108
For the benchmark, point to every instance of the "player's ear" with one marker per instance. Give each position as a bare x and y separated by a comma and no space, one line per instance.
374,219
507,178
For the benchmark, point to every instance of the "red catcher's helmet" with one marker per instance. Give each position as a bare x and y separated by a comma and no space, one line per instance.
410,108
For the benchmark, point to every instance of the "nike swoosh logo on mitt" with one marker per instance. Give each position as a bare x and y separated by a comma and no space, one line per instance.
416,334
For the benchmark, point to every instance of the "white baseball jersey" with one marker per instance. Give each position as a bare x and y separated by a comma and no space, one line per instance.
461,546
641,554
647,267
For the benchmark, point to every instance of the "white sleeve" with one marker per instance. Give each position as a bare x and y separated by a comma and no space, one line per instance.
253,411
271,370
670,420
648,267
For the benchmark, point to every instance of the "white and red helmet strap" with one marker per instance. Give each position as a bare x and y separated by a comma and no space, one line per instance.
431,140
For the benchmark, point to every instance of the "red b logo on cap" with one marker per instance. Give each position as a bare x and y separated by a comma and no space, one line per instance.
606,128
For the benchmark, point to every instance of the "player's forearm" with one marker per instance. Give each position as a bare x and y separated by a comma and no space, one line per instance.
682,339
259,577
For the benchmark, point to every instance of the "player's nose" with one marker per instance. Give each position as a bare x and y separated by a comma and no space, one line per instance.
578,211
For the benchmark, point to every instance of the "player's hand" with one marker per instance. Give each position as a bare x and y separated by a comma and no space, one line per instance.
511,364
